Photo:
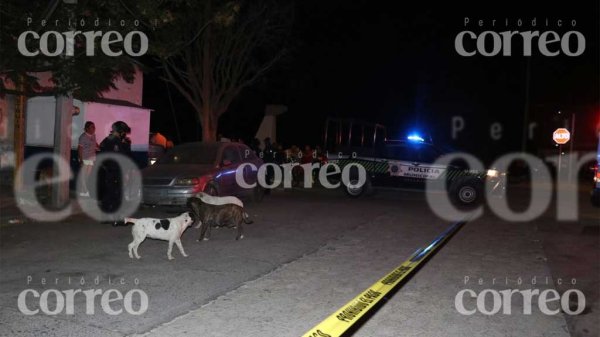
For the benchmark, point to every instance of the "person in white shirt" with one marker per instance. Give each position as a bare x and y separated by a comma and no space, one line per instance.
87,154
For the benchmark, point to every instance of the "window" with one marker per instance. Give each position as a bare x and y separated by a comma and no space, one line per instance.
231,154
401,152
428,154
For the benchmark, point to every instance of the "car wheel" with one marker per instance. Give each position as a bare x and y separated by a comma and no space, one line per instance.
211,189
467,192
357,191
354,192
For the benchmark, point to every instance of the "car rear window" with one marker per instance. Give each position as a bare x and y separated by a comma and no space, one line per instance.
232,154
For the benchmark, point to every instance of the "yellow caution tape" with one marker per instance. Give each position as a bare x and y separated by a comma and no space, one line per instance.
342,319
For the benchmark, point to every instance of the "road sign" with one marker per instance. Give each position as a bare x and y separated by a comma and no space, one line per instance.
561,136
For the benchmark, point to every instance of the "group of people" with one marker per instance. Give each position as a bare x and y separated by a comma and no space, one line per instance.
110,183
275,153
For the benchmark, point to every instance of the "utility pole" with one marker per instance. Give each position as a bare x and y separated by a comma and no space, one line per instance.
63,120
19,132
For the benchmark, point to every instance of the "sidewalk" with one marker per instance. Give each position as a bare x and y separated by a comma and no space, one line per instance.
11,213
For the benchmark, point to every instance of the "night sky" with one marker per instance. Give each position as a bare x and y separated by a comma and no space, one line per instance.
395,65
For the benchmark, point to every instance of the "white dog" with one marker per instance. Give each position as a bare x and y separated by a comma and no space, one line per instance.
217,201
163,229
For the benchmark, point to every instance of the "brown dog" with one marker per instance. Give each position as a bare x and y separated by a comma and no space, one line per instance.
209,215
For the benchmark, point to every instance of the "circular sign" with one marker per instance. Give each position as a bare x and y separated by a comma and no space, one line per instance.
561,136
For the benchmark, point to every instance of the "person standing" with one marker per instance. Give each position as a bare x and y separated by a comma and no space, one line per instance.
268,158
86,150
112,180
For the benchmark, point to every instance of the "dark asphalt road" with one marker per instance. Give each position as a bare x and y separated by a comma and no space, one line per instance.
289,227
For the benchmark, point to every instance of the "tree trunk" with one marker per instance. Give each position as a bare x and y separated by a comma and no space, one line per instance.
210,124
63,121
19,132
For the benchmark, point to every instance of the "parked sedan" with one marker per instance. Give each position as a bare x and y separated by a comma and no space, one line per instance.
190,168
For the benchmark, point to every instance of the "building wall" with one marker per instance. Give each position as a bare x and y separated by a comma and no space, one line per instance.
138,119
40,121
129,92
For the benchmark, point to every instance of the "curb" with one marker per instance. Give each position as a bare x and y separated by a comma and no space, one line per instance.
11,214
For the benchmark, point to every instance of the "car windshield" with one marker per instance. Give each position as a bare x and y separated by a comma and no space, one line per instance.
194,155
400,152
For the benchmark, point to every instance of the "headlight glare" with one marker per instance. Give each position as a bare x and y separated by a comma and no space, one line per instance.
493,173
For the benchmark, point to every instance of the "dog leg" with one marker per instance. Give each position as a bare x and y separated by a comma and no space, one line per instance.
135,248
203,231
208,229
178,243
201,226
246,218
240,232
138,237
170,250
130,249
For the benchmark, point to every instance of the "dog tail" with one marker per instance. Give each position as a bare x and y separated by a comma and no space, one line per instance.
246,219
129,221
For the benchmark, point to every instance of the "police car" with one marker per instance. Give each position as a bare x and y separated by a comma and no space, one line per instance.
410,163
596,187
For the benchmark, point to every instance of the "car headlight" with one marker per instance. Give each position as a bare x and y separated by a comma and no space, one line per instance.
493,173
187,181
152,161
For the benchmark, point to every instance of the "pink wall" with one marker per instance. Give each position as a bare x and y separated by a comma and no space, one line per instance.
103,115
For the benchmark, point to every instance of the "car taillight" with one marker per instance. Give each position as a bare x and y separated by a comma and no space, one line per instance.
202,181
596,173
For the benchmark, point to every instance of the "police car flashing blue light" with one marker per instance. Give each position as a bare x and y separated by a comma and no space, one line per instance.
413,137
411,162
